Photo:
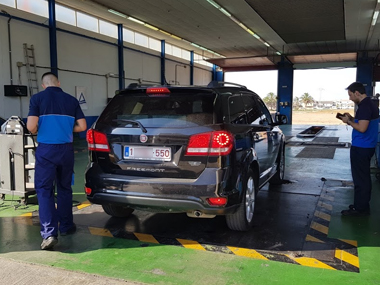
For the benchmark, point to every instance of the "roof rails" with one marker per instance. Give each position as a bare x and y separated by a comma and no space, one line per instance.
223,83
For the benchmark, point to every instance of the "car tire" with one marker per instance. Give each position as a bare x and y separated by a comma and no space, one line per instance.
242,219
278,177
117,211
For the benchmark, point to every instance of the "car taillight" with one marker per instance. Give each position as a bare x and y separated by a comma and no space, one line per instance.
217,201
97,141
211,143
87,190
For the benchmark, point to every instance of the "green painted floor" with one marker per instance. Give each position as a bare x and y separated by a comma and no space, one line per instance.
150,263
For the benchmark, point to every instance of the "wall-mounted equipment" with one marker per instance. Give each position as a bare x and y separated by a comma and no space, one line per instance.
15,90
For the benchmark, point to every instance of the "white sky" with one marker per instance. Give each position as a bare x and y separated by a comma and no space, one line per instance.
321,84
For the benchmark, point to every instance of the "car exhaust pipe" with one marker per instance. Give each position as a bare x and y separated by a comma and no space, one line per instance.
199,214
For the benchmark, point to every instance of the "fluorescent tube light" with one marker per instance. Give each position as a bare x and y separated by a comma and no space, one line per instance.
117,13
166,33
374,18
174,36
256,36
243,26
268,45
279,53
193,44
135,20
213,4
250,31
225,12
151,27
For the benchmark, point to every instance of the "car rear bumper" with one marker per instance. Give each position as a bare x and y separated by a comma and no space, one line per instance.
159,194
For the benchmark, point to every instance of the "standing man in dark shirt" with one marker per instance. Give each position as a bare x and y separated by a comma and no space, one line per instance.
364,140
54,115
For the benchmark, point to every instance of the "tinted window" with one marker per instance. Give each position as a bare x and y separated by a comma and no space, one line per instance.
237,110
257,113
160,111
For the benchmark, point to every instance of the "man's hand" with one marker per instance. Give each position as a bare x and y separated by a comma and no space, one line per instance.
80,125
32,124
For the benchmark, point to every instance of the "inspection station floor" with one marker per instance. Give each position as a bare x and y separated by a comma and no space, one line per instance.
298,237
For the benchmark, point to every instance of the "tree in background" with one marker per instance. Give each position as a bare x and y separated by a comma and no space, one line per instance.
306,99
270,100
297,103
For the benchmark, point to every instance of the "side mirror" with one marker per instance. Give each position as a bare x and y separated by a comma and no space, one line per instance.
280,119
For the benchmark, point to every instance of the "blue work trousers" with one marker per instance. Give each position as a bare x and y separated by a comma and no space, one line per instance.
54,166
360,159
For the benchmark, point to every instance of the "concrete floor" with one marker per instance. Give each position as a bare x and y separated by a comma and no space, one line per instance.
298,237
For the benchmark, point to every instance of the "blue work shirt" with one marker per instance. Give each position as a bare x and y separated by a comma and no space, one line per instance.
368,111
57,112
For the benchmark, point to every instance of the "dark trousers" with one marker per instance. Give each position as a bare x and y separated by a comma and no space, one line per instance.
54,166
360,159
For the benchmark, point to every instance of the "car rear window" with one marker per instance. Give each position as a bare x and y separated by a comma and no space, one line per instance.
171,110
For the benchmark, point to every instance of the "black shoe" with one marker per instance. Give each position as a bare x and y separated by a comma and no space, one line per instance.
351,207
355,213
49,242
70,231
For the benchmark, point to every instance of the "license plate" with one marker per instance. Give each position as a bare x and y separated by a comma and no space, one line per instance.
148,153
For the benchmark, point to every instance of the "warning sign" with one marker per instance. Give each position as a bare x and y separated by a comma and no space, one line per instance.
80,92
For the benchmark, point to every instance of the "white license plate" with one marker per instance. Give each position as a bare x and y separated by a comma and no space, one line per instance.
148,153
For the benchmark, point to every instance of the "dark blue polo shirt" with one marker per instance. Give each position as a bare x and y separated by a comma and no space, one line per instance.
368,111
57,112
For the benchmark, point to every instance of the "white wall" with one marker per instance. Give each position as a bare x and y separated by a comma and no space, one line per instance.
21,32
83,62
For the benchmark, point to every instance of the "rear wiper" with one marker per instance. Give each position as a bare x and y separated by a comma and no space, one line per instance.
132,122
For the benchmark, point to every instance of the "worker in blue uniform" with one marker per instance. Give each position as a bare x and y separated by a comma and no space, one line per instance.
54,115
365,126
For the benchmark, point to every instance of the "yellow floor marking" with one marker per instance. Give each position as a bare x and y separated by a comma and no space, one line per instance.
311,262
313,239
246,252
146,238
84,205
100,232
327,197
322,215
320,228
351,242
347,257
27,215
190,244
324,205
24,220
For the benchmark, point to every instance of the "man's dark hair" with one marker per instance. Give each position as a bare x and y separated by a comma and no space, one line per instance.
48,73
356,86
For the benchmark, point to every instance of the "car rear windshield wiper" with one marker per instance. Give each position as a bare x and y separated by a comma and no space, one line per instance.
132,122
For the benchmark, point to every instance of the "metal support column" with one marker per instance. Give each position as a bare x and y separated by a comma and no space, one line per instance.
120,47
191,67
53,38
364,72
285,89
163,79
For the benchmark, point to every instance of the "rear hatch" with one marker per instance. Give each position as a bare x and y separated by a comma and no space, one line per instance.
158,132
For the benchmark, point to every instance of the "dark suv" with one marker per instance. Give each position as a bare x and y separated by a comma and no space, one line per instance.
204,151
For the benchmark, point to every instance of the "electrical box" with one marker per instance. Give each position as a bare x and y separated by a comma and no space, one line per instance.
15,90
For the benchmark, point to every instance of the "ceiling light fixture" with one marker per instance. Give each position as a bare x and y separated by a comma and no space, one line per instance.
136,20
175,37
117,13
151,27
228,14
169,34
374,18
216,5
